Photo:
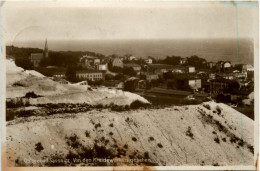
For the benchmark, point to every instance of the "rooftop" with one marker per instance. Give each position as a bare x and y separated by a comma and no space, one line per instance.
169,92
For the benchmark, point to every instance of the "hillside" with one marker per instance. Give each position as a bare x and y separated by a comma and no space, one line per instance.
210,134
188,135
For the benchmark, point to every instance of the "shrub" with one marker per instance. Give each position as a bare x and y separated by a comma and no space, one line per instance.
18,102
189,133
251,148
217,140
97,125
87,133
137,104
160,145
218,109
134,139
224,139
111,125
207,106
39,147
31,95
151,138
73,141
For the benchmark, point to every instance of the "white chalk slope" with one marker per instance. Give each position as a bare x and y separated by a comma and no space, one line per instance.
167,126
19,82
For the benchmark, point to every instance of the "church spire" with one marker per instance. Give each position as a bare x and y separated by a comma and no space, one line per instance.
46,52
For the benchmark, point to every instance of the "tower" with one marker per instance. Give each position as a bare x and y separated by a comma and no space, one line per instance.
46,53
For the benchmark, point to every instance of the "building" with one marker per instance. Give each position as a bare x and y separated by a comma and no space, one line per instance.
211,64
102,67
92,75
218,84
183,61
223,65
169,92
160,68
195,83
132,58
135,67
149,60
247,67
191,69
150,77
96,61
117,62
36,58
59,74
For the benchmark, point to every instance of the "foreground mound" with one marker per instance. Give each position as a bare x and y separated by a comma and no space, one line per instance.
20,82
207,134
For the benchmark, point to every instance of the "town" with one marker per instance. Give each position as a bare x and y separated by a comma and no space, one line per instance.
172,80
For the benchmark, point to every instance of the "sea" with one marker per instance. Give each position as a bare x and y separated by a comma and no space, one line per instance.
233,50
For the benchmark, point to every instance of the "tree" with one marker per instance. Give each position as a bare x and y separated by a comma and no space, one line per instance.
71,74
130,85
24,62
129,71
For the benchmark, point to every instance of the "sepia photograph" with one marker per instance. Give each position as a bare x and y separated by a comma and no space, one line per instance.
149,85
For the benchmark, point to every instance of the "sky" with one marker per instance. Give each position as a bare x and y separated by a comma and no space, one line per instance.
26,21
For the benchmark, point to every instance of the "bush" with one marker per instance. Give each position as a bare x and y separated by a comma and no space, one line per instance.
39,147
207,106
31,95
218,109
87,133
217,140
160,145
14,103
189,133
10,115
137,104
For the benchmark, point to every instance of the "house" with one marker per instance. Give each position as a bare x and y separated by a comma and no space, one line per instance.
102,67
135,67
168,92
117,62
211,64
212,76
149,60
247,67
191,69
218,84
160,68
183,61
150,76
92,75
194,83
132,58
96,61
36,58
223,65
59,74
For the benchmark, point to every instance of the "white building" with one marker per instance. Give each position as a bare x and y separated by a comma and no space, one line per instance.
247,67
195,83
102,67
117,62
149,61
191,69
132,58
89,75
